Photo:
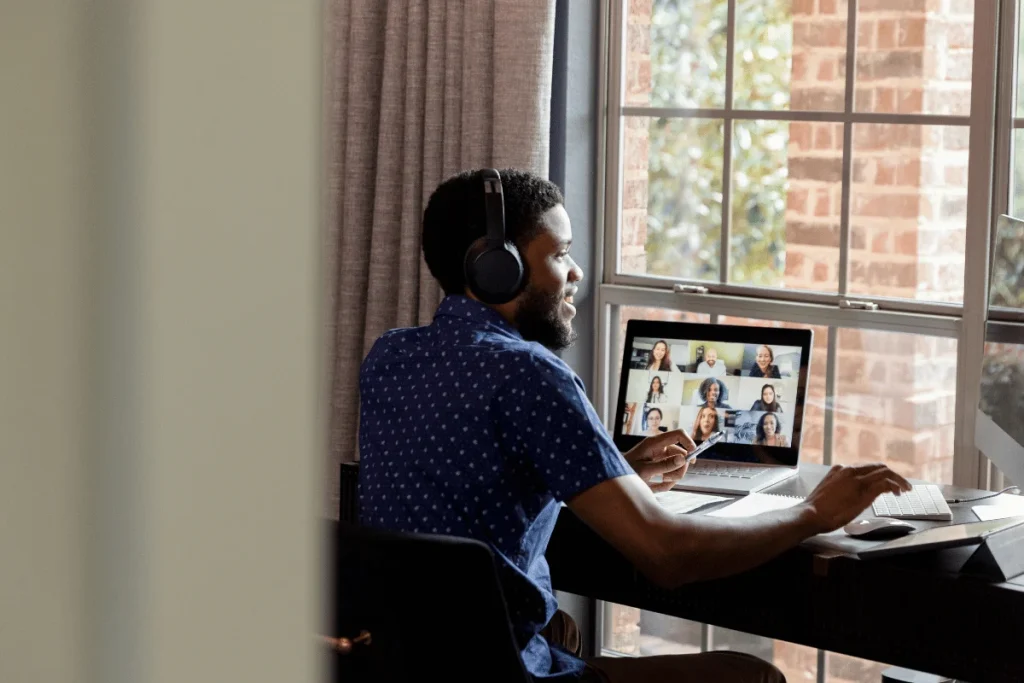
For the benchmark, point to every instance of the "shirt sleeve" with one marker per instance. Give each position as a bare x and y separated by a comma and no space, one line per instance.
548,422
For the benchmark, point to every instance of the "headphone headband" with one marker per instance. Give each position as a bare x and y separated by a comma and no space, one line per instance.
494,204
493,268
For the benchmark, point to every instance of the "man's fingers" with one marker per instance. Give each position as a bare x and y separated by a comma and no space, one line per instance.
675,436
668,452
866,469
886,474
652,468
677,474
662,487
880,486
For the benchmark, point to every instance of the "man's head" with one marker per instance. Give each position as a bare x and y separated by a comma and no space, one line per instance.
711,357
536,222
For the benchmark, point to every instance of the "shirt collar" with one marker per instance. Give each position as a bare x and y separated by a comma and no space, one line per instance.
458,306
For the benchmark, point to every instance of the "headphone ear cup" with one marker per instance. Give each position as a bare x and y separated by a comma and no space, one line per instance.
493,273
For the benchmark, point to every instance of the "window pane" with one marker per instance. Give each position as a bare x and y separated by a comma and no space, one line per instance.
1017,174
786,201
672,197
675,53
846,669
908,211
812,448
1007,275
797,662
1020,63
790,55
895,402
631,631
915,57
1002,384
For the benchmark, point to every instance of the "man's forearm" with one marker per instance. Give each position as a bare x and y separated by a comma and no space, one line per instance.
699,548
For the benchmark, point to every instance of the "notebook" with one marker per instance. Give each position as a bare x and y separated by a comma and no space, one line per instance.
987,513
680,502
755,503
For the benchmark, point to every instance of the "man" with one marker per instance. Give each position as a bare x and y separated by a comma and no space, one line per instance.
491,430
710,364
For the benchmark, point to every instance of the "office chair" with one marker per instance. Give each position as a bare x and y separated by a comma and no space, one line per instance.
416,606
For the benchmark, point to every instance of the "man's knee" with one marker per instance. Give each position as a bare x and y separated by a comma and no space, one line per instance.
764,672
754,669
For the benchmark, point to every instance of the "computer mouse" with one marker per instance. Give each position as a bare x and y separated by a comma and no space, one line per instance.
878,528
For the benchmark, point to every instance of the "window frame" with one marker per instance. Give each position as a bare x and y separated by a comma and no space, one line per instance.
991,122
900,315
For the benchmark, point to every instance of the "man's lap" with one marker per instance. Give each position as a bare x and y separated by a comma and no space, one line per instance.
706,667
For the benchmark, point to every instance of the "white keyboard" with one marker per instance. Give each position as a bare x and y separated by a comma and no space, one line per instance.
924,501
720,469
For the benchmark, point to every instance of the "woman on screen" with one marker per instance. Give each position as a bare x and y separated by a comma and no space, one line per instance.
767,402
764,364
656,394
705,425
653,420
713,394
769,430
660,358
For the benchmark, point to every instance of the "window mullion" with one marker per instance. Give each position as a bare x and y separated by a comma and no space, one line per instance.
730,59
844,210
1006,100
830,392
967,463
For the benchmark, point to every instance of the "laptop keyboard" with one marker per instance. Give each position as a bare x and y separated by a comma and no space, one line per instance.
717,469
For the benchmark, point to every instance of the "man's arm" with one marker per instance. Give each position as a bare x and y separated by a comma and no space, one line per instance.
675,549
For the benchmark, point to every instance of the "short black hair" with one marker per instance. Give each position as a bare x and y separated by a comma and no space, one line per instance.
760,435
455,217
705,387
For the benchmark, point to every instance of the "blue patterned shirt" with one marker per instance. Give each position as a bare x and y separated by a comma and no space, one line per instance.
466,429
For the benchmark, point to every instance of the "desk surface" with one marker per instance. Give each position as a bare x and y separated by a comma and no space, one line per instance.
914,611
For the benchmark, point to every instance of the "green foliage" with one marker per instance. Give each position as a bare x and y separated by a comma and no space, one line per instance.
1008,258
1002,389
688,55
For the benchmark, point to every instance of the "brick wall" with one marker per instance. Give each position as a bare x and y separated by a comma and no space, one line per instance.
895,393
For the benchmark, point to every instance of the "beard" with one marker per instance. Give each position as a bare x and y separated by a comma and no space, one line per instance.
539,319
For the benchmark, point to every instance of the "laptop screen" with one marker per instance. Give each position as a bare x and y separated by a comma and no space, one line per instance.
749,382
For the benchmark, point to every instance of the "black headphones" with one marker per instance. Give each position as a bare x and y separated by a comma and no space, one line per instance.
492,266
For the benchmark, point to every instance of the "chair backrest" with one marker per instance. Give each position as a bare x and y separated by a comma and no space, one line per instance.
432,604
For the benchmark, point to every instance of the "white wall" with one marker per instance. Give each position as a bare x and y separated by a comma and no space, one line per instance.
159,340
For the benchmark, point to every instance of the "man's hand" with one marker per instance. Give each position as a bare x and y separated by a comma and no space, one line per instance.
845,492
664,454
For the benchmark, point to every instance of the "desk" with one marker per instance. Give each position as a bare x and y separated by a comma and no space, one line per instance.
913,611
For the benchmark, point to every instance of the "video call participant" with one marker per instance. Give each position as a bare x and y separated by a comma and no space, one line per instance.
656,394
523,465
704,425
653,420
767,402
768,432
711,365
763,365
713,393
660,359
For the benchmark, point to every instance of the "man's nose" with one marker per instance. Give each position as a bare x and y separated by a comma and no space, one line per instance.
575,273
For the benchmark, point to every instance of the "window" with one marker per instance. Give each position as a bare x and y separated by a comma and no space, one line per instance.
822,163
752,155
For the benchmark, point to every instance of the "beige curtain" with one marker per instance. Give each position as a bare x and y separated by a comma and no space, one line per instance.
416,90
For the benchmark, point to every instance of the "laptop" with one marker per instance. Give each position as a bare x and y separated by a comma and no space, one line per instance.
748,382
